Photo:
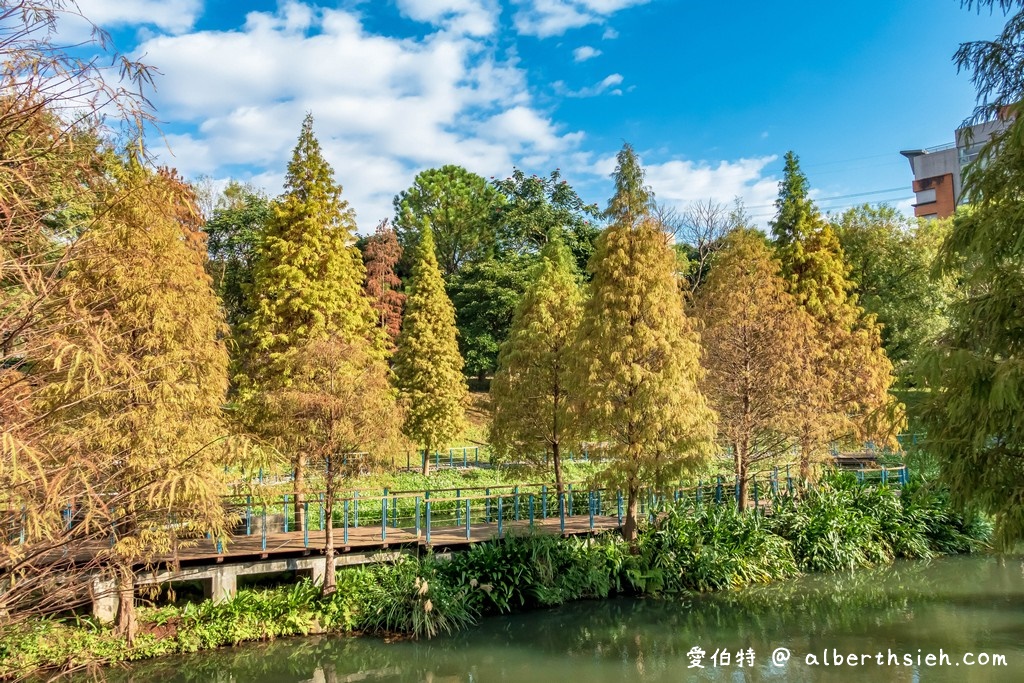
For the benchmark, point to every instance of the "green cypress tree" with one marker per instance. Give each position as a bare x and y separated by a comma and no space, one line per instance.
851,400
636,374
307,285
427,364
530,390
975,411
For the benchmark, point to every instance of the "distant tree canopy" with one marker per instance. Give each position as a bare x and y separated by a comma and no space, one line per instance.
459,208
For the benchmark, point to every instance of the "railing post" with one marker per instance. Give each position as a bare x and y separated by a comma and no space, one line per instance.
465,458
428,522
384,518
394,511
284,509
264,534
561,512
248,516
700,491
458,507
718,491
450,456
467,518
591,505
500,497
789,481
355,509
417,516
618,495
437,460
487,506
305,527
515,494
757,500
570,501
531,509
543,502
885,475
323,527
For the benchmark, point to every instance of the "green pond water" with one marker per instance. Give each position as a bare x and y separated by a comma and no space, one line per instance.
957,607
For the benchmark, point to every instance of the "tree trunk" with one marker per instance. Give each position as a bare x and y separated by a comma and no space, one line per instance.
805,459
330,573
741,504
127,623
741,454
300,484
557,458
426,462
630,523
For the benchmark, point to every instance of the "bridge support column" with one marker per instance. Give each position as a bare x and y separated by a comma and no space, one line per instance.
104,600
222,586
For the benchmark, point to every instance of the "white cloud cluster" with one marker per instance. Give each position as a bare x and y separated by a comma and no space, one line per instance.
605,85
467,17
546,18
585,52
384,107
172,16
679,183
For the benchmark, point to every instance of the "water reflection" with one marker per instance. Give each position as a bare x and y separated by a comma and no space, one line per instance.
957,605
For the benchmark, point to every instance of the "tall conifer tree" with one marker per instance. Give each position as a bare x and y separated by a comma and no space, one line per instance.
140,377
307,284
851,398
637,356
530,390
427,364
754,336
383,286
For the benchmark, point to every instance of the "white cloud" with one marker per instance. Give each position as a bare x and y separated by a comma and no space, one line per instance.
599,88
679,183
546,18
585,52
609,34
384,108
468,17
172,16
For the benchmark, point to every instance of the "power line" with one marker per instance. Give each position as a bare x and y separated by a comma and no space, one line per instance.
841,196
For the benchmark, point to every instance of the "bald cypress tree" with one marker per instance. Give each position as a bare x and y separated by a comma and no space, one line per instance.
851,398
636,360
427,364
139,377
307,286
530,392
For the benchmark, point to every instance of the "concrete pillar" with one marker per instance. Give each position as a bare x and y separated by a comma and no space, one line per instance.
104,600
222,586
316,571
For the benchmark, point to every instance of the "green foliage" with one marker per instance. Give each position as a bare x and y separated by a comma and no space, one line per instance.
890,265
308,277
412,597
233,235
458,206
530,391
534,206
698,547
427,364
485,296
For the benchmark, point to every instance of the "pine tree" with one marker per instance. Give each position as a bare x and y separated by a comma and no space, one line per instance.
383,286
140,376
754,337
974,414
530,390
307,284
427,364
851,399
636,374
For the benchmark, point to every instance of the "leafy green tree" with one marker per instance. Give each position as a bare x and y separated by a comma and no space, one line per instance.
755,338
975,414
851,398
530,392
139,377
890,265
534,205
485,296
459,208
636,361
427,364
232,238
307,285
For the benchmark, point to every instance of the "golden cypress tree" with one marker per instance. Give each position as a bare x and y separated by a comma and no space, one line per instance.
427,364
139,378
851,398
636,374
530,390
755,337
307,286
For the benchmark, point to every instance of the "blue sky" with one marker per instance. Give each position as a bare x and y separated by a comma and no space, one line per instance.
711,94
